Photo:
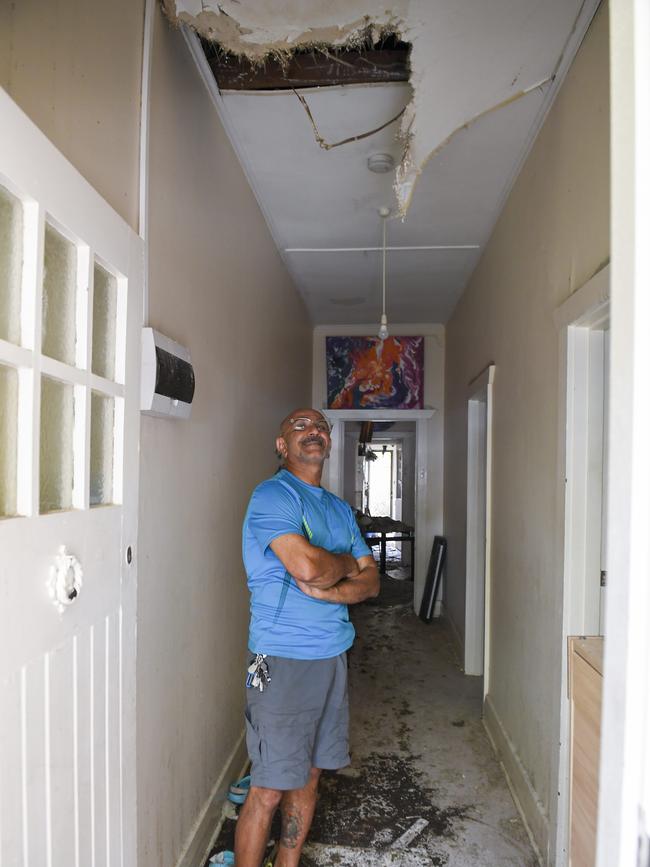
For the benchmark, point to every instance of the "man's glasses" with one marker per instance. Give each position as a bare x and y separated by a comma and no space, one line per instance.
301,424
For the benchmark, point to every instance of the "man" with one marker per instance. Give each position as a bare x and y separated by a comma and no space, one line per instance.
306,562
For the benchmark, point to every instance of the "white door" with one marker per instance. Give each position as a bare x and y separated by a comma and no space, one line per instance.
475,547
477,569
70,320
605,471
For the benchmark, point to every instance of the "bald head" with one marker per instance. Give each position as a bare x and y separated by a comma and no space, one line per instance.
300,413
304,443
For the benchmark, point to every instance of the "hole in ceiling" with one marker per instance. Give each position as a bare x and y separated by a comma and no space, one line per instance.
362,62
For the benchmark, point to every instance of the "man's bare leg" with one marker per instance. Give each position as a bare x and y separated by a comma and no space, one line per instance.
254,824
297,807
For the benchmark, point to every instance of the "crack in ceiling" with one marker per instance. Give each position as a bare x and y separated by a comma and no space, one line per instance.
359,137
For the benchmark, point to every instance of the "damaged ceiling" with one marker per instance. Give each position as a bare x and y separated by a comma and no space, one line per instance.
371,63
482,77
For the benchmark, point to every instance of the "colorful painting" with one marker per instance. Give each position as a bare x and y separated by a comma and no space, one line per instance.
367,372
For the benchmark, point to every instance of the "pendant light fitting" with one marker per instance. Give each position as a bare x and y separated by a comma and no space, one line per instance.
383,323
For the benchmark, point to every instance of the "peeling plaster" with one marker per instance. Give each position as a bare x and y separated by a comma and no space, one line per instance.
256,29
466,60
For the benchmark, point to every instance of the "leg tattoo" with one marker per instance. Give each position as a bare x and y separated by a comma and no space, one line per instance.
297,812
292,826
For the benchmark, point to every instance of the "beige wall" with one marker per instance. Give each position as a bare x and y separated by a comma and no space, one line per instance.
75,69
550,239
218,286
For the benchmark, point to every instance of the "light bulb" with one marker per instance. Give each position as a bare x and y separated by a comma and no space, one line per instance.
383,327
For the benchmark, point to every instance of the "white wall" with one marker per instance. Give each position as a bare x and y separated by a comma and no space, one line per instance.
434,396
218,286
552,236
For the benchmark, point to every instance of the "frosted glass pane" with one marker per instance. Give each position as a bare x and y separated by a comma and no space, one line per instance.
11,265
8,439
57,424
104,323
59,297
102,424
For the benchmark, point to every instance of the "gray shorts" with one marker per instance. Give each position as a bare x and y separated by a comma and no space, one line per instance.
299,722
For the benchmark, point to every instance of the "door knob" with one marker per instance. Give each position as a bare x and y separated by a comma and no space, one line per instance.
66,578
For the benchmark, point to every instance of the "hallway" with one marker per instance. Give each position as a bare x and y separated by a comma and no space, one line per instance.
419,752
474,175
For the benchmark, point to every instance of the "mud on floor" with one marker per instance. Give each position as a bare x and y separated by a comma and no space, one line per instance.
362,810
366,809
371,806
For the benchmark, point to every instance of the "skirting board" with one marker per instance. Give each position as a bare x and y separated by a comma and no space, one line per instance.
207,826
523,793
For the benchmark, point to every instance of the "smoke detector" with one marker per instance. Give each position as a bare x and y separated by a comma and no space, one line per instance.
381,163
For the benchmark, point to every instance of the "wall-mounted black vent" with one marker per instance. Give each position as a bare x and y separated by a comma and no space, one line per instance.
174,376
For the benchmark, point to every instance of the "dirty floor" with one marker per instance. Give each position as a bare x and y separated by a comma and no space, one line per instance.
424,788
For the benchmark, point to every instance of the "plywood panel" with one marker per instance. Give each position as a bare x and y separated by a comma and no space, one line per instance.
585,756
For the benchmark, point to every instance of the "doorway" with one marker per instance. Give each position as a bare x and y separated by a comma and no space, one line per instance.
583,323
382,480
477,598
379,479
428,478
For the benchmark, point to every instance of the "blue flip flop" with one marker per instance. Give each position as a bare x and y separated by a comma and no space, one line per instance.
226,857
239,790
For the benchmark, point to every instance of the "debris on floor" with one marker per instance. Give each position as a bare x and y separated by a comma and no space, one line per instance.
373,809
424,788
410,835
343,856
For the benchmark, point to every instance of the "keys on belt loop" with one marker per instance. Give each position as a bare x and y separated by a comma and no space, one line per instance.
258,676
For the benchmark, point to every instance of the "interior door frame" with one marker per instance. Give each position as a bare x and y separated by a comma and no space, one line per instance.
421,418
478,580
624,806
585,311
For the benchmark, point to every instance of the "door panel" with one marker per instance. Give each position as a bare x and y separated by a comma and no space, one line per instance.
605,474
68,491
62,683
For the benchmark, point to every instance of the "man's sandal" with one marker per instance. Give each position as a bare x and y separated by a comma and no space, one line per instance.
225,857
238,790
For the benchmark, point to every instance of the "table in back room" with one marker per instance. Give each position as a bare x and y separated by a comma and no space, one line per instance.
377,530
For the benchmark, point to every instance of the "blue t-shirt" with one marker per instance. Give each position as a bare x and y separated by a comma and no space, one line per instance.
284,620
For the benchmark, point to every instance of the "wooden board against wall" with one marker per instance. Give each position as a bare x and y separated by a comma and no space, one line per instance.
586,681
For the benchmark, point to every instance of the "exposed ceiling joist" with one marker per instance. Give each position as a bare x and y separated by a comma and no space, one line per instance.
316,67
